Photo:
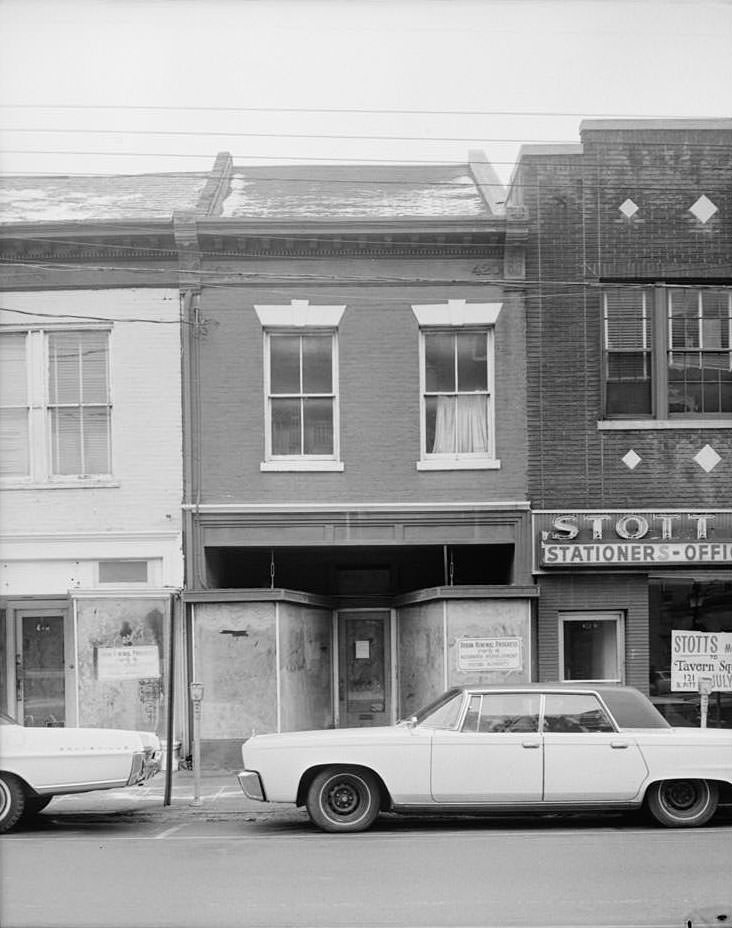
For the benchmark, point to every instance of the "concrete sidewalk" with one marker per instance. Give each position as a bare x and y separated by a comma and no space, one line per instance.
220,795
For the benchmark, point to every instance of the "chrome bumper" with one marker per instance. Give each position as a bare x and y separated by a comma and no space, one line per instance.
251,784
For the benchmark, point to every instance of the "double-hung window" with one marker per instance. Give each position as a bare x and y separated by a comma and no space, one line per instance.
457,385
14,406
668,353
79,408
301,387
55,406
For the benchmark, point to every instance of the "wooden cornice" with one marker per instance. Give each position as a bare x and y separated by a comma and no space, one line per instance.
161,241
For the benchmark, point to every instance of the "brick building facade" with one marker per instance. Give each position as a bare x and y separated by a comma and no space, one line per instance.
357,510
630,396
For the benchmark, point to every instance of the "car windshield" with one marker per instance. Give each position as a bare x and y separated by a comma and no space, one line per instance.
444,712
6,720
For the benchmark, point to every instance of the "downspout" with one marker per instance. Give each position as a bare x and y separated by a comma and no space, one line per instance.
170,720
189,281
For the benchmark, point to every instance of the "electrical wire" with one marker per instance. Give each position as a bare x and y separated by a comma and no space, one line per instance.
343,111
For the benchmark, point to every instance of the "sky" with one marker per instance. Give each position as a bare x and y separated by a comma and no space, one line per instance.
131,86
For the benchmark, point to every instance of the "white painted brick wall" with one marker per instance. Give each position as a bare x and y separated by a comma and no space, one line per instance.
146,431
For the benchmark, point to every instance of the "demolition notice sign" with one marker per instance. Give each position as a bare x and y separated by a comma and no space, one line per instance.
701,657
480,654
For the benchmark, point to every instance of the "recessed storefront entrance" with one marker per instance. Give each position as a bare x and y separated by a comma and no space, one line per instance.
364,652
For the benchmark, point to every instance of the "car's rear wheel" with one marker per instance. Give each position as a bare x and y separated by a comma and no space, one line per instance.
12,801
683,803
35,804
343,799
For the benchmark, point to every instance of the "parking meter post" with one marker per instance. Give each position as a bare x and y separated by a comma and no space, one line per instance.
196,699
705,688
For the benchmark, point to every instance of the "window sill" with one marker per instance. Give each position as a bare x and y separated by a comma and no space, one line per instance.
459,464
278,467
80,484
619,425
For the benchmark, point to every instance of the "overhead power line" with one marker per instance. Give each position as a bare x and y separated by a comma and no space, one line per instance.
328,137
550,114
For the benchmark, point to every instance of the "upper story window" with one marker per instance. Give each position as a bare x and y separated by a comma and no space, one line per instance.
457,385
668,352
55,407
301,386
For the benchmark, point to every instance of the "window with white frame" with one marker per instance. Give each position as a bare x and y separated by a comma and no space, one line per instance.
55,417
457,385
591,646
668,352
14,406
301,386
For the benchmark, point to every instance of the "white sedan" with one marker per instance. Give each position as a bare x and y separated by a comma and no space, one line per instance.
531,748
37,764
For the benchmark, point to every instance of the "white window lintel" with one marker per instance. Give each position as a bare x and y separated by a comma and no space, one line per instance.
299,314
456,313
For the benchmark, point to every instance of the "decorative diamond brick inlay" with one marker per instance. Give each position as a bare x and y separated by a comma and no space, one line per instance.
631,459
707,458
703,209
628,208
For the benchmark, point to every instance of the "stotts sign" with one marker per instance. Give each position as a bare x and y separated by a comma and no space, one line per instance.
615,538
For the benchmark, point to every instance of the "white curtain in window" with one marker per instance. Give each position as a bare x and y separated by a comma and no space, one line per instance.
461,425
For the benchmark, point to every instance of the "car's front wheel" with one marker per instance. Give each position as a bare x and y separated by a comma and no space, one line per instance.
683,803
12,801
343,799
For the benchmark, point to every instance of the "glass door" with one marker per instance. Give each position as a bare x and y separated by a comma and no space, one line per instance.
592,647
365,668
40,677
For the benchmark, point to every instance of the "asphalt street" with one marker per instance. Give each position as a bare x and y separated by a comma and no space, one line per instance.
121,858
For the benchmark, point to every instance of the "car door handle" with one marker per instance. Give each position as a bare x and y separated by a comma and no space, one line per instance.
531,744
619,745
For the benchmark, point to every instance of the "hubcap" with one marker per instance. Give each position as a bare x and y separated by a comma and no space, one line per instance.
681,795
343,798
4,800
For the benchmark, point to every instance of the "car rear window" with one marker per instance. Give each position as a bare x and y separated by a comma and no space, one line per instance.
631,709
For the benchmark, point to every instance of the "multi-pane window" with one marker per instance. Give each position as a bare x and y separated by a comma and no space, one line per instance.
628,352
14,406
55,409
301,395
457,400
78,402
668,352
699,351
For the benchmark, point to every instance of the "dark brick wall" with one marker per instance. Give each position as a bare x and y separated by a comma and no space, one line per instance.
626,593
577,237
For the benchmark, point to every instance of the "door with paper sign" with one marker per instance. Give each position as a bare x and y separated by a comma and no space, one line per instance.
364,685
40,671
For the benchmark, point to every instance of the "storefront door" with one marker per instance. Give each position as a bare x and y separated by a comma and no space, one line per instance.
40,683
364,685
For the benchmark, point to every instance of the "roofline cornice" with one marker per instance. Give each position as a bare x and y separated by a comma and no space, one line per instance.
264,226
87,229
